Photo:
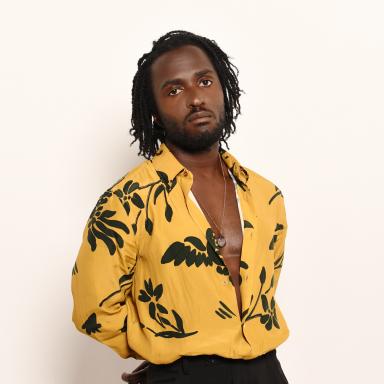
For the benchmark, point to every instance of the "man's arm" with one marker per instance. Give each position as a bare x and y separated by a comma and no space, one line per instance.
102,275
279,238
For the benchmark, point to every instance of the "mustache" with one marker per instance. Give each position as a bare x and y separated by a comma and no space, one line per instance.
187,118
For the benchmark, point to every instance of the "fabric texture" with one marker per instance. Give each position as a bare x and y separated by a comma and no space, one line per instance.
149,282
214,369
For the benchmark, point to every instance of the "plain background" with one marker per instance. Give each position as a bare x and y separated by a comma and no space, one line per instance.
312,122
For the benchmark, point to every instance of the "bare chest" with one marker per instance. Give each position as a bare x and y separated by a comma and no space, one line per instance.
210,200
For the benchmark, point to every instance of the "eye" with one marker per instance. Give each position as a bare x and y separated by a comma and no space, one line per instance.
206,80
174,89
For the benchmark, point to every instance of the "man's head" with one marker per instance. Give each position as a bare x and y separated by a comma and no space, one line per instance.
184,73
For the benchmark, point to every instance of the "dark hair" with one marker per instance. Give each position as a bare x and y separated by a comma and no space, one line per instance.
144,128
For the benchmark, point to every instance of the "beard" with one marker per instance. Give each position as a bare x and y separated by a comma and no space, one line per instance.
193,142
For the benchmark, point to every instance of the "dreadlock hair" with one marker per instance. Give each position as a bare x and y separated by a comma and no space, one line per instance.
144,127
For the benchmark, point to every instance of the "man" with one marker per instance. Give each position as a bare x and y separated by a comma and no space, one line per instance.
181,257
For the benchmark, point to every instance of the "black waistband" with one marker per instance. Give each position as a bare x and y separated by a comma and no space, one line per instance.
218,358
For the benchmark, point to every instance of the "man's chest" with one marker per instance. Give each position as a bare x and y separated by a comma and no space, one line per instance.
222,210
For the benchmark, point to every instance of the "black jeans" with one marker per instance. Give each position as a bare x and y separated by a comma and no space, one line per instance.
213,369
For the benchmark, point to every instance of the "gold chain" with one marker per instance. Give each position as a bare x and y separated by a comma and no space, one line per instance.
225,198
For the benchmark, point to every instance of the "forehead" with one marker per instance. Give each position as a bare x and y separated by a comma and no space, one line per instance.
180,62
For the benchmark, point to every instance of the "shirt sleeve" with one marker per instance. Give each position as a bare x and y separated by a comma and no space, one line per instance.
102,274
279,238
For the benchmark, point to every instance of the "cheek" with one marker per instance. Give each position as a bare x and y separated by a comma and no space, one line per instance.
218,94
174,109
218,99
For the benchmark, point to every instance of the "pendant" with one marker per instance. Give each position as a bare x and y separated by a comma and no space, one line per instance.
221,241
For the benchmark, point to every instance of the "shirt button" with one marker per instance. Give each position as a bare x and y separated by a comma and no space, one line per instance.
185,173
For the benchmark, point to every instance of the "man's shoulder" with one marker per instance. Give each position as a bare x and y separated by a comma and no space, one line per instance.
264,188
140,174
260,180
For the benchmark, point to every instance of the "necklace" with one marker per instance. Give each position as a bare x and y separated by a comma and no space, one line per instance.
219,240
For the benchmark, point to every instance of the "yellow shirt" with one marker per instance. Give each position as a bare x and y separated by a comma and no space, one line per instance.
150,283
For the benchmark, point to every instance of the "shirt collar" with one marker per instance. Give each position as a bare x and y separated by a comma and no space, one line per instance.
165,161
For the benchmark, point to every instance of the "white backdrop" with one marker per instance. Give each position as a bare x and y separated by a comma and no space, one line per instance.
312,122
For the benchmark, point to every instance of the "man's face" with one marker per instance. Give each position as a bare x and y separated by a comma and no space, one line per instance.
184,81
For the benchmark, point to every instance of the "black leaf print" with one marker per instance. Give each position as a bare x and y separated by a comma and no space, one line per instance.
125,278
168,212
176,252
179,252
159,189
268,318
133,187
124,281
124,329
223,271
74,269
126,187
226,312
264,302
158,291
161,308
223,314
108,242
164,320
170,334
278,228
168,184
163,177
128,196
277,193
271,285
247,224
179,321
149,287
127,207
148,225
157,312
91,240
113,223
196,242
272,243
278,263
91,325
134,225
262,275
124,198
243,314
110,233
192,251
144,297
101,227
147,294
136,199
152,310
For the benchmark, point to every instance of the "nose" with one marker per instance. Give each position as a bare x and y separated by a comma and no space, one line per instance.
195,99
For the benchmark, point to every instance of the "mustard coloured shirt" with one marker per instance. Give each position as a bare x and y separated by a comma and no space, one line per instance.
149,282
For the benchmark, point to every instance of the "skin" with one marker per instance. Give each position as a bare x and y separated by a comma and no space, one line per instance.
196,145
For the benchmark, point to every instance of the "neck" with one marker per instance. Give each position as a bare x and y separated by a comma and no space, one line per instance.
204,164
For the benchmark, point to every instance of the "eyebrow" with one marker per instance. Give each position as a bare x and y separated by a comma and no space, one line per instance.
178,80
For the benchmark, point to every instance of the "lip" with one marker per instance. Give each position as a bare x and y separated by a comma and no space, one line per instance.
200,120
199,116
